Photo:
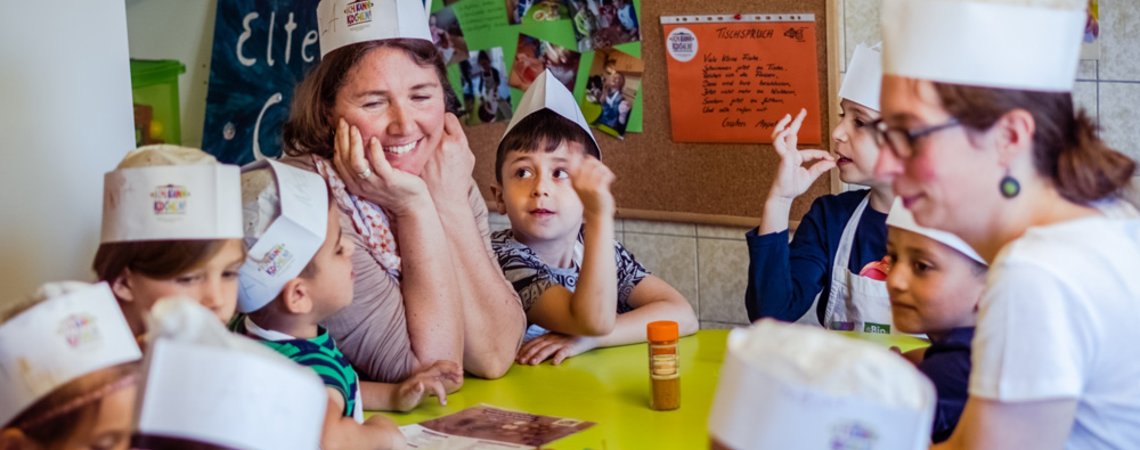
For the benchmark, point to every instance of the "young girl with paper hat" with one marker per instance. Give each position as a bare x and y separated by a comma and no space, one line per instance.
574,279
70,370
297,274
981,140
935,282
835,257
171,226
373,120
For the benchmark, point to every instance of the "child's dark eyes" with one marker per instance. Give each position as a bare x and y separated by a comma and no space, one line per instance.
230,274
561,174
522,173
188,279
921,267
859,123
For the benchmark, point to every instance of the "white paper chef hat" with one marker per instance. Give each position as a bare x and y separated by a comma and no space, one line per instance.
1025,44
346,22
864,76
900,217
548,93
167,192
77,330
792,386
204,384
285,218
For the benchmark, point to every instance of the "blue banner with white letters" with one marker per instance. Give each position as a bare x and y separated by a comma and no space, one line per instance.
262,49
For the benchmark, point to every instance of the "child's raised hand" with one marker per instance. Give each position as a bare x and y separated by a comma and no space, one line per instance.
554,346
436,380
367,173
792,178
591,180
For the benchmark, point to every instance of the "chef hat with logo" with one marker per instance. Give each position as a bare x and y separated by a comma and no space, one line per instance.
167,192
1006,44
285,218
70,330
342,23
793,386
202,384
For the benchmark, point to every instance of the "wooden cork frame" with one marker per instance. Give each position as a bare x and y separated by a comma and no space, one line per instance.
717,184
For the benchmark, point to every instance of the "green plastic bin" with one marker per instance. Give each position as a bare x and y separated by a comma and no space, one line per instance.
155,89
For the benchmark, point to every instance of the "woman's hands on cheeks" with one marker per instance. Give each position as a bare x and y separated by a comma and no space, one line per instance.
448,171
368,174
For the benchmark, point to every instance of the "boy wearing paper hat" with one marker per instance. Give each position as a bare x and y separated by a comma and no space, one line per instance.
835,257
298,272
935,282
789,386
68,370
204,387
171,226
981,138
560,254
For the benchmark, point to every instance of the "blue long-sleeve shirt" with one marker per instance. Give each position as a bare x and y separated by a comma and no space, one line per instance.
947,364
784,278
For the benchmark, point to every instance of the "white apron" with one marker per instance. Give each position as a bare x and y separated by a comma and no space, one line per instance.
855,303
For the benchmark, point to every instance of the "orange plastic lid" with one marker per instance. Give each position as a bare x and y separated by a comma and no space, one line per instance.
662,330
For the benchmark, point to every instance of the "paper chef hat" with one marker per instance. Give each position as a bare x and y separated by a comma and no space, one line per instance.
1027,44
167,192
77,330
346,22
864,76
900,217
548,93
285,218
204,384
792,386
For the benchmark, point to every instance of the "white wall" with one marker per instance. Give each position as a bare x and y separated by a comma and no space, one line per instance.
65,119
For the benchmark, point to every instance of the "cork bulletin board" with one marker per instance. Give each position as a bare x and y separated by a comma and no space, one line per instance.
659,179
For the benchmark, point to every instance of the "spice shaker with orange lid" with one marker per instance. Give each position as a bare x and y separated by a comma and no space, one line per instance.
664,366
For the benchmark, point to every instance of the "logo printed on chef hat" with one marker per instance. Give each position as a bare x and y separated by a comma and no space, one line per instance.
168,192
1007,44
548,93
345,22
76,329
285,220
170,200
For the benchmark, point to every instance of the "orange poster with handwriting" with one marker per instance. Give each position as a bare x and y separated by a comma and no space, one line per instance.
731,79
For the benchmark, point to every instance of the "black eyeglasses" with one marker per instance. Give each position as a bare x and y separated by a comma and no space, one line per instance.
901,140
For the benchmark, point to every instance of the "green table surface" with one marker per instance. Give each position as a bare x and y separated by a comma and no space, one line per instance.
610,386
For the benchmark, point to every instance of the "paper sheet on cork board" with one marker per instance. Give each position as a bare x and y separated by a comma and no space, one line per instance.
732,77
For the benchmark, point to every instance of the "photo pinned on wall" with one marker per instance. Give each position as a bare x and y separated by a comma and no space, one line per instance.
447,36
602,24
486,97
533,55
615,77
538,10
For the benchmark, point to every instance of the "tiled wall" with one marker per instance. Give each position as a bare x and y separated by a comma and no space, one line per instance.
709,264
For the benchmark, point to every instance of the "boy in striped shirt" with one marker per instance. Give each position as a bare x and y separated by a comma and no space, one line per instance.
299,272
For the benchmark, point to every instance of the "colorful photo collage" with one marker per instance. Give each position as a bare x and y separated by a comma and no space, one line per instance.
541,35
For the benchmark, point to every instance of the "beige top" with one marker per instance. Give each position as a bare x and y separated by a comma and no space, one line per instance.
372,332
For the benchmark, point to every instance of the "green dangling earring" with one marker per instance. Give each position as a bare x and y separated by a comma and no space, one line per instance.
1009,186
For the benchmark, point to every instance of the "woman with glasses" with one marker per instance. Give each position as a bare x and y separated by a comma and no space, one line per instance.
837,252
983,142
